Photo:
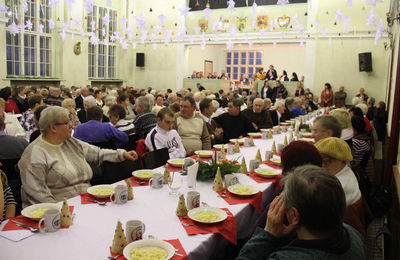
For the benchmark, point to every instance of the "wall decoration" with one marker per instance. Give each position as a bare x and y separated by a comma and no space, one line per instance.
241,23
222,25
203,24
283,21
262,21
77,48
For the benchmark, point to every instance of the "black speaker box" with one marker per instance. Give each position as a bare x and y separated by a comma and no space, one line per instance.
365,61
139,59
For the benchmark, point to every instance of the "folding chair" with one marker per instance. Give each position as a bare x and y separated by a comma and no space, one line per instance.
155,158
113,172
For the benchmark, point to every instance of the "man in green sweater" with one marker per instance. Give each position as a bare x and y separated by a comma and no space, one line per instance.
313,202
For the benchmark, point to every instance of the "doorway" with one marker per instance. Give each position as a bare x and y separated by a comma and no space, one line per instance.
208,67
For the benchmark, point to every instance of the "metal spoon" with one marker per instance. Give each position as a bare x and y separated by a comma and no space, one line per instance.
140,182
32,229
114,257
100,203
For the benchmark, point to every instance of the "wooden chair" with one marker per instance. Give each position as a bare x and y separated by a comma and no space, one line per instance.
10,168
113,172
155,158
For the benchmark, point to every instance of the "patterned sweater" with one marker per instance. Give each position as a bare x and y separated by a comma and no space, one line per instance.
50,172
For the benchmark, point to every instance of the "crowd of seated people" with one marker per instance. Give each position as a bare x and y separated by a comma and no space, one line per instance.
183,122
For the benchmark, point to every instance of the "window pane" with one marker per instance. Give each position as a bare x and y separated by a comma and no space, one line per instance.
235,58
243,58
251,72
258,58
242,70
235,73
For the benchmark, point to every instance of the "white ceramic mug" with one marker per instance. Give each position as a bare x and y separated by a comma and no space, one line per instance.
217,156
264,135
230,180
51,219
134,230
192,200
120,195
268,155
231,148
247,142
156,181
253,165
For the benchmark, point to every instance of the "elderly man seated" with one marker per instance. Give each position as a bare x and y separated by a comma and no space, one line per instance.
55,98
145,119
94,131
207,110
163,136
258,116
326,126
55,165
314,204
13,127
191,127
234,123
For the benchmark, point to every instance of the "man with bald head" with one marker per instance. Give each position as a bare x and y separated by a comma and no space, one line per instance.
258,116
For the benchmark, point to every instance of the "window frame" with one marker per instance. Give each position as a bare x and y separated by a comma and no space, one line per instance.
28,61
231,67
102,57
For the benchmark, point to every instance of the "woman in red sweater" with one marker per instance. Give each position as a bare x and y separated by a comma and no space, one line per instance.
10,106
327,96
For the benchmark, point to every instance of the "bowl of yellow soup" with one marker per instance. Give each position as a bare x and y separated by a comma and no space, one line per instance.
144,174
176,162
266,173
36,212
101,191
148,249
243,189
204,153
207,215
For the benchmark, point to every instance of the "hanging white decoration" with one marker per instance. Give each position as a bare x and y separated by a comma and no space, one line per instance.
207,13
161,17
324,30
184,10
51,23
40,27
231,5
338,15
13,29
346,21
282,2
29,25
254,14
229,45
141,21
106,19
372,18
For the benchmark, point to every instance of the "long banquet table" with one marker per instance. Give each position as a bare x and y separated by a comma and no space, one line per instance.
92,232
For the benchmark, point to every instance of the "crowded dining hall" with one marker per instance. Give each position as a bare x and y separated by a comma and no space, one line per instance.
199,129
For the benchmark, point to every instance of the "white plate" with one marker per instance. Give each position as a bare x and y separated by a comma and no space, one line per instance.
255,135
307,135
177,162
276,160
241,141
204,153
93,188
221,214
138,172
28,210
266,172
219,146
311,140
148,243
265,130
253,189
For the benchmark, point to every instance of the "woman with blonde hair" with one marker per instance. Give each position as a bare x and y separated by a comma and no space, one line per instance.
69,104
344,118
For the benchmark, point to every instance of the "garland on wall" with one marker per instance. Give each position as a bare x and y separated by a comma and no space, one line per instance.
148,33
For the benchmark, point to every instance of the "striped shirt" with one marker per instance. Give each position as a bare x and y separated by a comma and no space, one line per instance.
8,199
126,127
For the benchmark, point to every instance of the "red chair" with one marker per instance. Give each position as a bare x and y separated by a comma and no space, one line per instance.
141,148
358,216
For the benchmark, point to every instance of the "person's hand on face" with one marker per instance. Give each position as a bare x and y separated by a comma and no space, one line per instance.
276,214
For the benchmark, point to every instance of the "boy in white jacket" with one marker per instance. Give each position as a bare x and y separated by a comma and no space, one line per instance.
163,135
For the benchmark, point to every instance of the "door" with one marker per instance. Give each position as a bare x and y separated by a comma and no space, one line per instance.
208,67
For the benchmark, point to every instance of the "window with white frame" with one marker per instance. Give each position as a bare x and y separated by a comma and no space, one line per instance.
102,56
242,62
29,52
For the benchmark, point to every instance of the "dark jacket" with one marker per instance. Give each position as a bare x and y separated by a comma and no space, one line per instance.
234,126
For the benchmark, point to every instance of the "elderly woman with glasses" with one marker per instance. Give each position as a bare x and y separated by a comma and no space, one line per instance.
56,165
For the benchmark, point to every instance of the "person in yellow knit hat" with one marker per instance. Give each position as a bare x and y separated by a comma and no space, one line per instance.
336,155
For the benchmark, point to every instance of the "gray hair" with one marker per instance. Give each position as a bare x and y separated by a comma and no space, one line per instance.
318,196
171,96
329,122
90,99
279,104
109,100
51,115
215,103
363,107
143,101
258,100
371,101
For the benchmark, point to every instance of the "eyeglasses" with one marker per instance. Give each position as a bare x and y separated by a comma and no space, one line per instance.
65,123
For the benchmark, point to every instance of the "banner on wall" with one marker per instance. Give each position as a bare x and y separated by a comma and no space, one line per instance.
198,5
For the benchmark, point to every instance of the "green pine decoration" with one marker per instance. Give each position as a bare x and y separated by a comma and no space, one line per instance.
237,146
181,210
243,167
217,185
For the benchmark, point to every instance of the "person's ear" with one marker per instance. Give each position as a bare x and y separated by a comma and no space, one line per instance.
293,216
53,128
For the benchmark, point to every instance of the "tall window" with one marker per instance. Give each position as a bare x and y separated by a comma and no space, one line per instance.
243,62
29,52
102,56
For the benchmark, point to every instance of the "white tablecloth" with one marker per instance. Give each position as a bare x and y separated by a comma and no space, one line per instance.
92,232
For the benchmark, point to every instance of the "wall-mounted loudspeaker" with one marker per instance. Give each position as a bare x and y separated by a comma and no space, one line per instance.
139,59
365,61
